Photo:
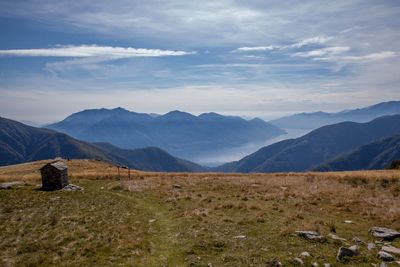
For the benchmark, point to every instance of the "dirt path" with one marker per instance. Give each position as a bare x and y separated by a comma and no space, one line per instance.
165,249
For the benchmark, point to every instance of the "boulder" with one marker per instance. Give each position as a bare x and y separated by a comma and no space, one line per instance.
72,187
347,252
384,233
311,235
274,263
298,261
391,249
305,254
385,256
371,246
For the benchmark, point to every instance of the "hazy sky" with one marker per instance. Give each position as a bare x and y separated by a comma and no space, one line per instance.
252,58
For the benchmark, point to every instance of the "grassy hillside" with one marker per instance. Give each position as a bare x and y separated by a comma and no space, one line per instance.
373,156
22,143
317,147
191,219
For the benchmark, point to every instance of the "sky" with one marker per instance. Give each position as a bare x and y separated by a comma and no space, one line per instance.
261,58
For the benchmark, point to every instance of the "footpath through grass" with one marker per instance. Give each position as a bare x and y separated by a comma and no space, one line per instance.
159,219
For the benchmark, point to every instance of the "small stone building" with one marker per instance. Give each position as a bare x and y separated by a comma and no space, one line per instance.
54,175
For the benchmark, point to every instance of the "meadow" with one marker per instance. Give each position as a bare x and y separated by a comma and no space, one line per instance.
192,219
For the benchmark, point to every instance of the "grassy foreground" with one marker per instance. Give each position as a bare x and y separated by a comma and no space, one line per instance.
185,219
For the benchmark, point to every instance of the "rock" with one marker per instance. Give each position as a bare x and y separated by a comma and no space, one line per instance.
371,246
152,220
383,264
315,264
298,261
347,252
385,256
357,240
177,186
354,248
335,237
305,254
312,235
384,233
240,237
327,265
348,221
391,249
72,187
10,185
273,263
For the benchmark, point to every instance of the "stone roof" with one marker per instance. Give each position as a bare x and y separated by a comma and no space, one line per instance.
57,164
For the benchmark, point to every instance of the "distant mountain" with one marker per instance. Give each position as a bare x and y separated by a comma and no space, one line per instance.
21,143
317,119
179,133
376,155
311,150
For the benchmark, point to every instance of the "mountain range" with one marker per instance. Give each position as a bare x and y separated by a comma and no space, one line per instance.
180,133
374,156
318,119
317,147
22,143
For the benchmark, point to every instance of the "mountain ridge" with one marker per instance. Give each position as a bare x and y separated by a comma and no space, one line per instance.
316,147
179,133
22,143
313,120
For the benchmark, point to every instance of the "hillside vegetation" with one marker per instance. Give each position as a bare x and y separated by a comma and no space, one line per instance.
192,219
22,143
318,147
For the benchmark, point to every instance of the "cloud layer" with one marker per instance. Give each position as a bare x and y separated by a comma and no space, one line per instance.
295,55
85,51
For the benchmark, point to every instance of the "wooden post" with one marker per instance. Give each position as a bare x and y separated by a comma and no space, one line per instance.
129,173
118,171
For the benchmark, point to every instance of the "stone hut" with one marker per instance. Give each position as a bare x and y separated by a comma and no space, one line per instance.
54,175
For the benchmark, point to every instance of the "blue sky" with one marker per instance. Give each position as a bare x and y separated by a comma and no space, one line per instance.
249,58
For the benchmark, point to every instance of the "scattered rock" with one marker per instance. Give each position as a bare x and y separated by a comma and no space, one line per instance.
152,220
354,248
347,252
312,235
240,237
298,261
327,265
383,264
384,233
385,256
10,185
348,221
177,186
335,237
305,254
371,246
273,263
72,187
391,249
315,264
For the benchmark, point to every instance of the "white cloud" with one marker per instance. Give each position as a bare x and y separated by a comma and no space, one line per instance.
93,51
310,41
373,56
317,40
334,50
257,48
363,58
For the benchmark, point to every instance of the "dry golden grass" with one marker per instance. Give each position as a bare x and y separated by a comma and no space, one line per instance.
198,214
